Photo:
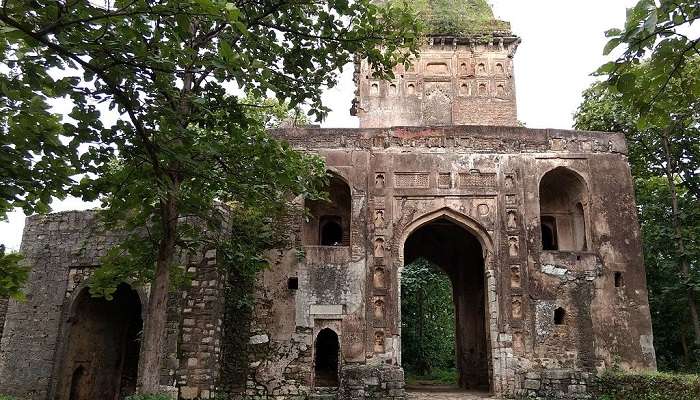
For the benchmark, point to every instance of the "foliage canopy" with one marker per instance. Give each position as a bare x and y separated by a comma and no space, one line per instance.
154,130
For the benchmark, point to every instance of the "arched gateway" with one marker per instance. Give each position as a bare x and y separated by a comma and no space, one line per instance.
461,248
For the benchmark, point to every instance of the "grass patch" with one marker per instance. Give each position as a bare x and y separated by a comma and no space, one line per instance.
435,377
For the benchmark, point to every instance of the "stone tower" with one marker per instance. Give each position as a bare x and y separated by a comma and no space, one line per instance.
463,76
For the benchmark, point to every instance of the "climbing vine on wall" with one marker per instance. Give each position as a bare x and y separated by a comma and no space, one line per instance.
427,319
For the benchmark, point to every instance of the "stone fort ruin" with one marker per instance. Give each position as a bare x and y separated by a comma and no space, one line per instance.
535,228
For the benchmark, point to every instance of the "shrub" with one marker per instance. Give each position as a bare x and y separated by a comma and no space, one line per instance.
651,386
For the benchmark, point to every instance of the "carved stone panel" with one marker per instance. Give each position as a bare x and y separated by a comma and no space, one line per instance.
437,104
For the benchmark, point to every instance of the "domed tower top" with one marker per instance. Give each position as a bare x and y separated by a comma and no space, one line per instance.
462,76
461,18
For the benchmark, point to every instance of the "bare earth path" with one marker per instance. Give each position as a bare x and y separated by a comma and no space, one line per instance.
446,395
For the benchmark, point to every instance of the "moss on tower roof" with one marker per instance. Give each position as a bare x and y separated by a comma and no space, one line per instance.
458,17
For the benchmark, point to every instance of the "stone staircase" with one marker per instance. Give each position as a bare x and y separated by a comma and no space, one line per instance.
324,393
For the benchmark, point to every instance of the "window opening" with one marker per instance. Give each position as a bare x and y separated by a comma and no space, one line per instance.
559,316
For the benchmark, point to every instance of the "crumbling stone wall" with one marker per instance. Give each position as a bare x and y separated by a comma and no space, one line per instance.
3,311
62,250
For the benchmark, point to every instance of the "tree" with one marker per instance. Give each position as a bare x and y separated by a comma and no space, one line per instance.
180,141
427,319
662,30
664,151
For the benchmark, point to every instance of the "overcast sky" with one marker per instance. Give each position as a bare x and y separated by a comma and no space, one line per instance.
562,42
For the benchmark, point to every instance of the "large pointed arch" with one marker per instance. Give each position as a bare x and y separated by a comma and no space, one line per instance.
458,218
489,301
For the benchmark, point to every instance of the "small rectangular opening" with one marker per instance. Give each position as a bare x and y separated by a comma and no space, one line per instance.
293,283
619,280
549,233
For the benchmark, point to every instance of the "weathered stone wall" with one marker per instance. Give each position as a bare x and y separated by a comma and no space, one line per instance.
453,82
563,384
362,382
486,179
63,250
3,310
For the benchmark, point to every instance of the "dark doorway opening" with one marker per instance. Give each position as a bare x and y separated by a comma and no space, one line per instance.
331,231
326,358
102,348
549,233
459,255
328,221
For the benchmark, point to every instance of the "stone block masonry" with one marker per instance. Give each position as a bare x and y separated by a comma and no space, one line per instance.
3,311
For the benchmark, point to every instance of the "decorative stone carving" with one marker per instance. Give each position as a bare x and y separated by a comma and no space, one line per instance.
437,109
513,246
379,308
379,342
515,277
379,180
511,220
509,182
411,180
444,180
379,219
476,179
374,89
437,68
379,278
483,210
379,248
517,307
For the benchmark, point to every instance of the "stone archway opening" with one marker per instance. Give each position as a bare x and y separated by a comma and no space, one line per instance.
102,348
326,358
460,256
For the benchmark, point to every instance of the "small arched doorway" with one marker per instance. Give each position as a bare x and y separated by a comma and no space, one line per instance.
328,221
102,347
458,254
326,358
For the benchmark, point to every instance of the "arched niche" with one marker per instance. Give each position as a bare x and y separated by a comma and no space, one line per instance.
563,205
328,221
326,358
102,346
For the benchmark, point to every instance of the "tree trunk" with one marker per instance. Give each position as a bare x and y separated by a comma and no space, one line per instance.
680,242
156,316
686,351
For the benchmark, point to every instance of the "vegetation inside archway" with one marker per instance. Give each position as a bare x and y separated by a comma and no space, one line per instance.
427,324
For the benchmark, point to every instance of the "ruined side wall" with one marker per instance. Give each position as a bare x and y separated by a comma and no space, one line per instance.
3,311
453,82
51,246
63,250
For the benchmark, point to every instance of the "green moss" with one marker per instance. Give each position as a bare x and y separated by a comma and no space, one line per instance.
457,17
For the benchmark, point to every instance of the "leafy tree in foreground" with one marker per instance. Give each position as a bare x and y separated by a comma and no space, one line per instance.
664,151
427,319
664,34
181,142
